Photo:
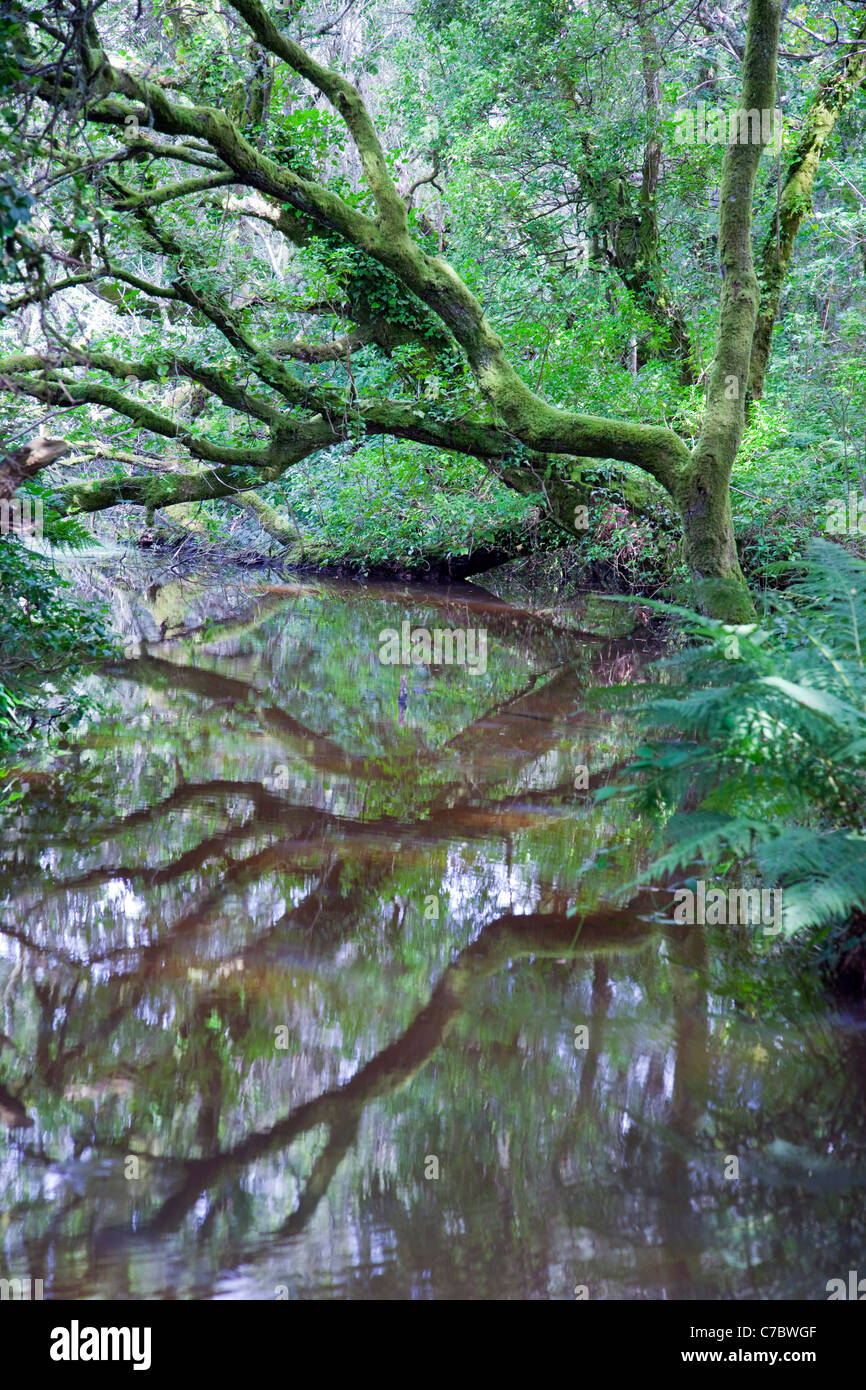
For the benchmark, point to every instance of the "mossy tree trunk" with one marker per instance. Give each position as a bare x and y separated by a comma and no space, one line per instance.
703,490
795,199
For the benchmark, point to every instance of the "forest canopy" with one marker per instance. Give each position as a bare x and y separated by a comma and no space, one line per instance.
260,257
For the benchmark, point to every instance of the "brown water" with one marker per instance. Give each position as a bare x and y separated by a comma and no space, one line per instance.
290,977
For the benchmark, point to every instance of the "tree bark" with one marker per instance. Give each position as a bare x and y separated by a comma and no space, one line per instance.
796,198
27,461
703,490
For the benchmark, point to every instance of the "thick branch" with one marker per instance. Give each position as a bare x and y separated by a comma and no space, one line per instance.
27,461
182,188
795,202
155,491
347,100
57,391
323,352
541,427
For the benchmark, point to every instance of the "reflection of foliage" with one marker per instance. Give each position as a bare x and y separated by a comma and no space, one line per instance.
192,910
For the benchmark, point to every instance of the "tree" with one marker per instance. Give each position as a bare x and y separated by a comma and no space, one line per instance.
134,243
795,197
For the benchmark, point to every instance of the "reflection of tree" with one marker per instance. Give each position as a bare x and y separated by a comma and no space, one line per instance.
237,885
520,629
276,834
266,834
55,1058
542,699
339,1110
680,1271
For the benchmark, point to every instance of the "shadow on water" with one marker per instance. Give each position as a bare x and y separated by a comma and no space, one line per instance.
315,981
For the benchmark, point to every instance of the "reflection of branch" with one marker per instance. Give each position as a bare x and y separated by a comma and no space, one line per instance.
447,815
327,894
504,705
12,1112
188,793
14,976
312,829
57,952
210,849
529,720
507,938
320,752
471,605
152,958
316,833
235,875
251,613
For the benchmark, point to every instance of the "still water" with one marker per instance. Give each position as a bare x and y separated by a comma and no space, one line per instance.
317,982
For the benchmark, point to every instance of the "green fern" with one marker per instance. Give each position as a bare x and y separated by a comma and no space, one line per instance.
763,737
46,632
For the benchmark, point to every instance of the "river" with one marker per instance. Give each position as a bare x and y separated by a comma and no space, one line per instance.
319,980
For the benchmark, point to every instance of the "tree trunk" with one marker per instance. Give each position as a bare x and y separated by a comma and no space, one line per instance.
703,490
796,199
710,546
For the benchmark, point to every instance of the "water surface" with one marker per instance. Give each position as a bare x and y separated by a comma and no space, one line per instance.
292,958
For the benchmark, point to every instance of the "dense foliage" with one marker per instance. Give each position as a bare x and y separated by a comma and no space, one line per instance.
235,264
768,762
48,637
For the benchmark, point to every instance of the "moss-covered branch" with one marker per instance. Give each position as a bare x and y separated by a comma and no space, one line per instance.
170,192
158,490
524,433
795,200
540,426
346,100
62,392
